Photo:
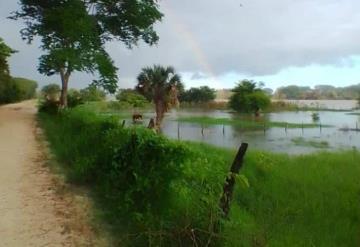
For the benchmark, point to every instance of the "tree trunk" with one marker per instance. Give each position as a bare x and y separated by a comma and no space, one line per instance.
160,110
64,88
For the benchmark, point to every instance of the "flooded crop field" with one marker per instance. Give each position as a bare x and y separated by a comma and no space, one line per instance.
332,130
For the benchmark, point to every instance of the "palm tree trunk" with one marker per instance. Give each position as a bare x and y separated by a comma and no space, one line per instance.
160,111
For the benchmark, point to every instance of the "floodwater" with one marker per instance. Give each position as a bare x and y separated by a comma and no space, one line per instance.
273,139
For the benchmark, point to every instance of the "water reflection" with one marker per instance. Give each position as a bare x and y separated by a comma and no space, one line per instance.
272,139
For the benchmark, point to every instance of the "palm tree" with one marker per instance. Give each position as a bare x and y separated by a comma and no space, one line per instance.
160,85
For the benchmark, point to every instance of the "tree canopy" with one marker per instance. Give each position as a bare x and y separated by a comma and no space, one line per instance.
198,95
74,33
160,84
248,97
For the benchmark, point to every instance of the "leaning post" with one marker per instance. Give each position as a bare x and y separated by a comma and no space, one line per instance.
230,180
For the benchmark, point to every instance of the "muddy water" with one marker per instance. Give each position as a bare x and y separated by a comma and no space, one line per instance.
273,139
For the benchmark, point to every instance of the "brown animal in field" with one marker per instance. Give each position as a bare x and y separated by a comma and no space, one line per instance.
137,118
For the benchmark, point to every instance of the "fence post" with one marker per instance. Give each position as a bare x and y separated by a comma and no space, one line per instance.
230,180
223,129
202,130
178,130
302,127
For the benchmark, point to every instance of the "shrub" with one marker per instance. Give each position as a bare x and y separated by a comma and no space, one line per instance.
74,98
92,93
248,98
16,89
132,98
51,92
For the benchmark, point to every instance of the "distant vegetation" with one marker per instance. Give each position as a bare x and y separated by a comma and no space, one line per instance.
132,98
248,97
319,92
13,89
198,95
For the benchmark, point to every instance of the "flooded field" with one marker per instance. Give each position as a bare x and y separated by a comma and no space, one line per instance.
341,134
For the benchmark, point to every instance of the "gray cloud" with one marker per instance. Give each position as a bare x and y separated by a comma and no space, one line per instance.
211,37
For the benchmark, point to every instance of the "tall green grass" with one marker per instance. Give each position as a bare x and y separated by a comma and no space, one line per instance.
279,200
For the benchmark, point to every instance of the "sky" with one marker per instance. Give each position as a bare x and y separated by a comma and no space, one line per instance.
218,43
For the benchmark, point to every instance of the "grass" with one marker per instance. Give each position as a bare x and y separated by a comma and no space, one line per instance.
293,200
245,124
279,200
299,141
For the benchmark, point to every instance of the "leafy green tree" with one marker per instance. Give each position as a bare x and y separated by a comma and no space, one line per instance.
132,97
6,87
92,93
248,97
160,85
74,33
198,95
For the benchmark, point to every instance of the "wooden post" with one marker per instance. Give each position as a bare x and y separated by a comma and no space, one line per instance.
264,128
123,124
230,180
302,127
202,130
151,124
178,131
224,130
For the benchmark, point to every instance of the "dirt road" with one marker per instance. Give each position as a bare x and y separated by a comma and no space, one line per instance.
32,211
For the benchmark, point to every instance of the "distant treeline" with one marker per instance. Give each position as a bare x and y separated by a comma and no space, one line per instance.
318,92
13,89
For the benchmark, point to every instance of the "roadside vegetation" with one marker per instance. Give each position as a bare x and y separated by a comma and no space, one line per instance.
151,191
13,89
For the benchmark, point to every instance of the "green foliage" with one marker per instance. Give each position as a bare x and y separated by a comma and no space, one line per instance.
16,89
74,33
92,93
198,95
152,191
51,91
161,85
74,98
5,52
131,97
318,92
247,97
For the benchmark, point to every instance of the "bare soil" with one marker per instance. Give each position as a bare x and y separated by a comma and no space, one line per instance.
36,207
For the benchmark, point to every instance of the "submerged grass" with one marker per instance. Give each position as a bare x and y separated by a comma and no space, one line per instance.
299,141
279,200
246,124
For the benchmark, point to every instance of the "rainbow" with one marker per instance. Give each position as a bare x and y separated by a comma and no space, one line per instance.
185,34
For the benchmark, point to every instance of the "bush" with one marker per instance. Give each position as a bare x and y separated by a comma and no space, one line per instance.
74,98
147,182
16,89
51,92
132,98
92,93
248,98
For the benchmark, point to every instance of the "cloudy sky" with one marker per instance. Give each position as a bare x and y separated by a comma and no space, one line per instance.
218,42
